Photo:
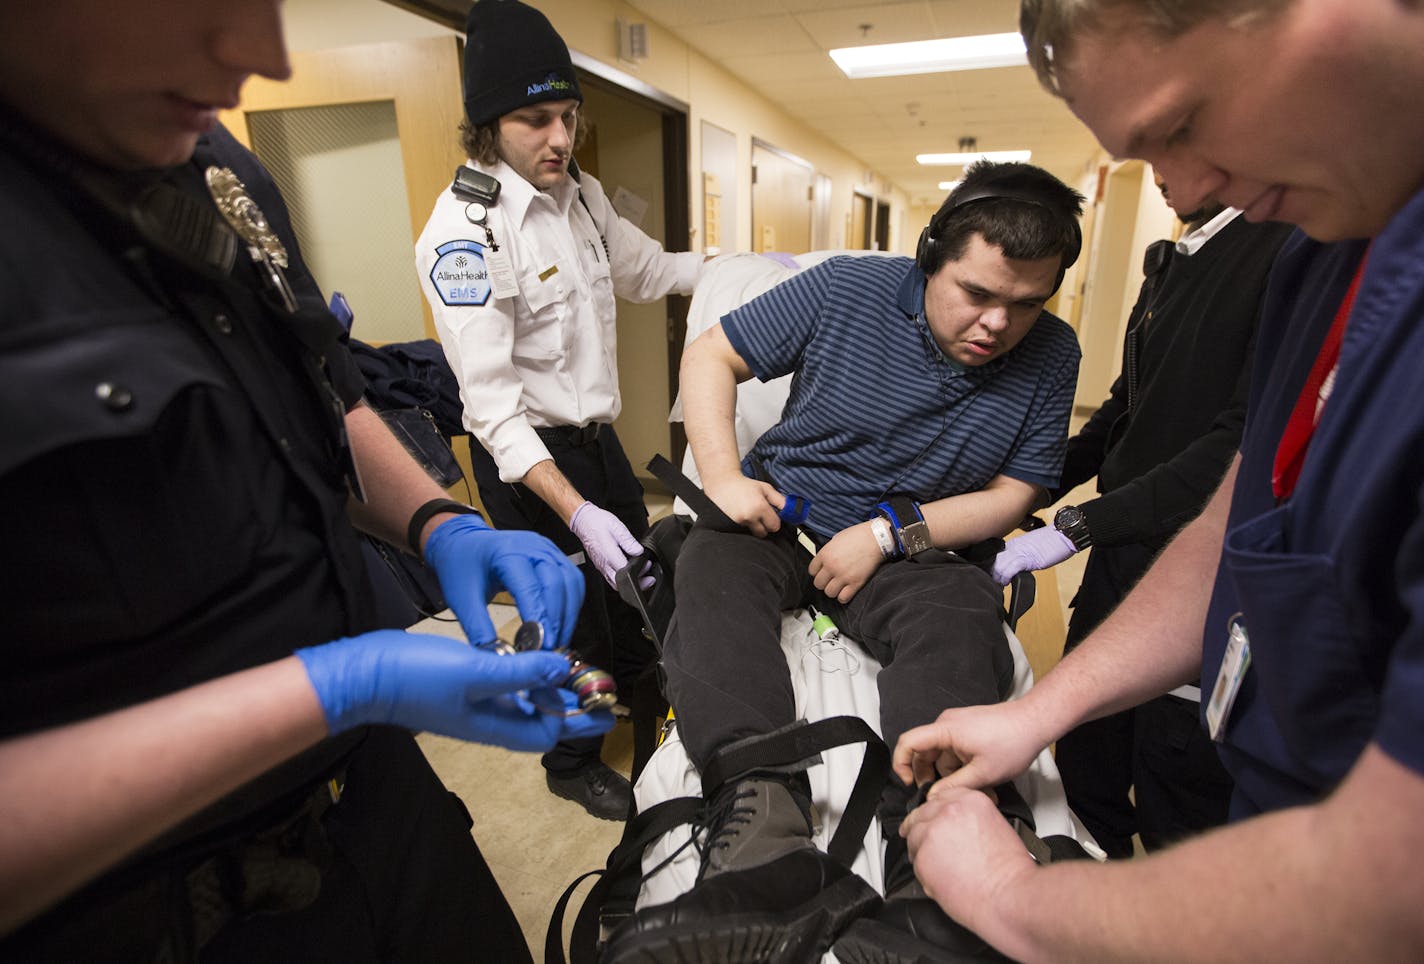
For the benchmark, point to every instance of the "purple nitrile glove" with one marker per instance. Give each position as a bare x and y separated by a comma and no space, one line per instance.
1038,549
442,685
783,259
605,538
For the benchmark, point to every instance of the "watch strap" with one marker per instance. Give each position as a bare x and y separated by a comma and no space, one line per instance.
1070,521
428,511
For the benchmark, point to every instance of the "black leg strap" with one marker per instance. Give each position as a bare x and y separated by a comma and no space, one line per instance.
625,858
684,488
785,748
794,744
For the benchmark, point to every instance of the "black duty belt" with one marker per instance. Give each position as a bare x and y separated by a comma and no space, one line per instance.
573,436
168,909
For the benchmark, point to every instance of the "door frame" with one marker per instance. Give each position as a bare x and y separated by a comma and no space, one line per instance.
422,79
677,203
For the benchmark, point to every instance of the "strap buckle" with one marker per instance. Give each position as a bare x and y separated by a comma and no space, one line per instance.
912,532
915,538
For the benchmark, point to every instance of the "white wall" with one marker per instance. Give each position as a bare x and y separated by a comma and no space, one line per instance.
719,97
321,158
673,69
1131,216
322,24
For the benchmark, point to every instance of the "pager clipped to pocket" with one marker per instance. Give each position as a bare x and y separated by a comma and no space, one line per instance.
473,185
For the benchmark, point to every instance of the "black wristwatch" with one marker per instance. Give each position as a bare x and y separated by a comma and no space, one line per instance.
1070,521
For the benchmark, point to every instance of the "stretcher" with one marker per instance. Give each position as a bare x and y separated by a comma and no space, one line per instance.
830,677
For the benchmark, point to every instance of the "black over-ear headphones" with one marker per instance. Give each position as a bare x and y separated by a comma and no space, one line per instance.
927,252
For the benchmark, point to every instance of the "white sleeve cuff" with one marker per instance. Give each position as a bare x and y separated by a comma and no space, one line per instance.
516,450
689,269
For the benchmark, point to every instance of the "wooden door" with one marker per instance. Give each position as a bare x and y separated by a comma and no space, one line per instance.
420,80
781,200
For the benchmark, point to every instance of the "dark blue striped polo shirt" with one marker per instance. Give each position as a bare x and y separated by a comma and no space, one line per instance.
877,409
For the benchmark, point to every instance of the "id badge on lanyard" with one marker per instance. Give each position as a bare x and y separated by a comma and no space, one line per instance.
503,282
1234,664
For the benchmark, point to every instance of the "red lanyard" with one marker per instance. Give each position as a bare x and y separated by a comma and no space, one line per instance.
1290,454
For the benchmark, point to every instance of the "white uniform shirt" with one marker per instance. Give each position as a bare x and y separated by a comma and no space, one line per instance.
1194,240
549,355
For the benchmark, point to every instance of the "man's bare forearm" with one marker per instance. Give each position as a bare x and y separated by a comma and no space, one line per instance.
79,798
991,512
710,372
546,481
1337,881
395,485
1152,642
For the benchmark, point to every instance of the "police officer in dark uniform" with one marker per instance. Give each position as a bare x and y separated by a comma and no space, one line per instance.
191,768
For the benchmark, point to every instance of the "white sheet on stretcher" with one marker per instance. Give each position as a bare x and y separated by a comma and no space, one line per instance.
828,679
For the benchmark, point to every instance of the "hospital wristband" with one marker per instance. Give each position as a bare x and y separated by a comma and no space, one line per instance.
907,523
884,538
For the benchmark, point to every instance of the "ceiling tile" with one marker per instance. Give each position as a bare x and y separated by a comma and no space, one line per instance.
675,14
891,24
768,73
969,18
806,6
778,48
779,34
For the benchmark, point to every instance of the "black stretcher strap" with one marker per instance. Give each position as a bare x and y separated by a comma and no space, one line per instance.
784,748
793,745
637,834
685,489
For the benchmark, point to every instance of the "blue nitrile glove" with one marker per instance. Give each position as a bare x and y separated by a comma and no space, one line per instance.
605,539
1038,549
445,686
473,562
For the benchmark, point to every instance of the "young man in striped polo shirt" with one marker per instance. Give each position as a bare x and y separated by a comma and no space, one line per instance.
930,406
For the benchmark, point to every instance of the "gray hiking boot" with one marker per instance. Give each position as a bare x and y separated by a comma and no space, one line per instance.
765,892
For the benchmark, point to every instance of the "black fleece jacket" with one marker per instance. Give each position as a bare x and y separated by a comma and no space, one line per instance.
1161,442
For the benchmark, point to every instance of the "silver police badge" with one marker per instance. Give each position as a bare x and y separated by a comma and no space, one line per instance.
247,219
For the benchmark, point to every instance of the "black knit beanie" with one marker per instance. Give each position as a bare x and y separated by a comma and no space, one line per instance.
513,58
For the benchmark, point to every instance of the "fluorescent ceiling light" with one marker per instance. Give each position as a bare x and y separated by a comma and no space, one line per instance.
931,56
948,185
972,156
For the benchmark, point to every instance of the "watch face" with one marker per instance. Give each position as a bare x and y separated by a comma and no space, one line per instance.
1070,521
476,212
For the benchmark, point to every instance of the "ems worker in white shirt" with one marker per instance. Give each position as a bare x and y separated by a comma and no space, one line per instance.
521,279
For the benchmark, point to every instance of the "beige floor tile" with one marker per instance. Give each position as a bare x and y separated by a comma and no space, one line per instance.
535,843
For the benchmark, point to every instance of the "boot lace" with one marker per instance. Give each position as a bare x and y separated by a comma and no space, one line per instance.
724,817
719,820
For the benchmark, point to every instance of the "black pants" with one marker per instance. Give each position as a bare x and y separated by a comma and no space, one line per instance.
404,882
609,632
1158,750
936,629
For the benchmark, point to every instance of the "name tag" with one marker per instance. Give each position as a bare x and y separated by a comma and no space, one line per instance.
1228,679
501,273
